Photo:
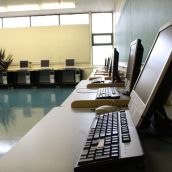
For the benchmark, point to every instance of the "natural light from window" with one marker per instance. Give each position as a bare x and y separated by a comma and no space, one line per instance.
50,20
100,53
74,19
14,22
102,36
102,39
102,23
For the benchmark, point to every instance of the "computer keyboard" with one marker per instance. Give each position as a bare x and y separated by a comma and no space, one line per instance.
108,93
97,80
112,139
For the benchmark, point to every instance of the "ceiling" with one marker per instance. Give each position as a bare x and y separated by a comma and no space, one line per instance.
82,6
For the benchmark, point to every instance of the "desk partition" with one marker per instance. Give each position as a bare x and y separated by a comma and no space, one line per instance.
37,77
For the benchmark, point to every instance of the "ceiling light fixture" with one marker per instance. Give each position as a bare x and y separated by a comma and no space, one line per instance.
30,7
44,6
2,9
58,5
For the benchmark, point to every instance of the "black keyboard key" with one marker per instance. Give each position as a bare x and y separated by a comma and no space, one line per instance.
85,160
94,143
115,155
85,152
126,138
102,157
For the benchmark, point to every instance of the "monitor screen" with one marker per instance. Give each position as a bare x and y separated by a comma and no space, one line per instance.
152,77
44,63
70,62
134,64
24,64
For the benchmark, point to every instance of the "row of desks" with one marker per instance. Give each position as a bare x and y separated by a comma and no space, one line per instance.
55,143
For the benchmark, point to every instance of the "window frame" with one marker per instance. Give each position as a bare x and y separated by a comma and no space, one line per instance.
102,34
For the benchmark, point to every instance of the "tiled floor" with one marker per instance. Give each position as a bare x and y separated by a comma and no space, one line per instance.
21,109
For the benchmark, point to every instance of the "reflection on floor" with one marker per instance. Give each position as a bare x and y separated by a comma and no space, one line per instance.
21,109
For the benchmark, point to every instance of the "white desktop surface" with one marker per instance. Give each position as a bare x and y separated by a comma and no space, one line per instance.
82,84
53,145
80,93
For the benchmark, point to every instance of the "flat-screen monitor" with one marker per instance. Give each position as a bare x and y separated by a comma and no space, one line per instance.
134,65
70,62
45,63
105,62
154,83
115,72
108,63
110,67
24,64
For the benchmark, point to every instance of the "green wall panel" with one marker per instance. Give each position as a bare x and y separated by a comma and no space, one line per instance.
141,19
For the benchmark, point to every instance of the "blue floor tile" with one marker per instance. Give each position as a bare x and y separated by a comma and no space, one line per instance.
21,109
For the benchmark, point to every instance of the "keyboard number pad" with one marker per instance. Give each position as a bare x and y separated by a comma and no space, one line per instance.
124,128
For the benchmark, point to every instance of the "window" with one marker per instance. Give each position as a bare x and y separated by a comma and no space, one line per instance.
102,39
74,19
14,22
50,20
102,23
100,53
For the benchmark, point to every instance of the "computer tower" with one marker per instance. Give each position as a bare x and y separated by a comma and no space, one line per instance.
77,76
27,75
52,77
4,78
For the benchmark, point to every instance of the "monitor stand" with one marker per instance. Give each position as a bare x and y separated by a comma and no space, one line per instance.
126,91
160,123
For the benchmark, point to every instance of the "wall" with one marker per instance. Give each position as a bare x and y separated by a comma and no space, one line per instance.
119,5
53,43
141,19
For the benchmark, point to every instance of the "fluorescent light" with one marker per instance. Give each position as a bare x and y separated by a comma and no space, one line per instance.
23,7
57,5
2,9
47,6
67,5
43,6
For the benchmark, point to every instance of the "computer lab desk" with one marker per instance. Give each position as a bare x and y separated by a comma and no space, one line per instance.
55,143
52,145
83,97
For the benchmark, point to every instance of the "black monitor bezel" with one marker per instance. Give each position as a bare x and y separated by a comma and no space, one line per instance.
47,62
115,71
136,65
24,62
70,60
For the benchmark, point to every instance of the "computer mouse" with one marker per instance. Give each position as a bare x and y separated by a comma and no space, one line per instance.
126,93
106,109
